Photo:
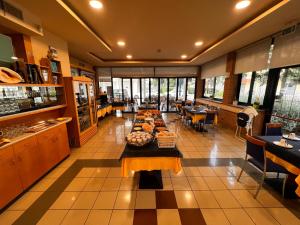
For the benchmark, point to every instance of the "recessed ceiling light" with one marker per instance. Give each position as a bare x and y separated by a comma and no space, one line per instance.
96,4
242,4
129,56
121,43
183,56
198,43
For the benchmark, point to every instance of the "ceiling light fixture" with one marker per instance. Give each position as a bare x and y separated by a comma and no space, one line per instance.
96,4
242,4
121,43
198,43
183,56
129,56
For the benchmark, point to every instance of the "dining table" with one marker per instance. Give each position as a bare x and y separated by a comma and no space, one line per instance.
198,114
289,158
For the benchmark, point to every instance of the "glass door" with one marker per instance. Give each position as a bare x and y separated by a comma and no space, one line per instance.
117,89
154,90
145,90
163,98
92,103
172,94
82,102
127,94
181,88
136,93
191,88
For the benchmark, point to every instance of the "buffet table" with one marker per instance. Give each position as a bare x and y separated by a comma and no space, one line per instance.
287,158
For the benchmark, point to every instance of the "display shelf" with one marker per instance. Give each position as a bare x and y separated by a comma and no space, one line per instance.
33,112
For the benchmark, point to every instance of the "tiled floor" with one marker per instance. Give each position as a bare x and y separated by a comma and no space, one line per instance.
87,188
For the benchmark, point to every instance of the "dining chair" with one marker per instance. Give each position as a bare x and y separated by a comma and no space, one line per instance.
255,148
209,119
273,129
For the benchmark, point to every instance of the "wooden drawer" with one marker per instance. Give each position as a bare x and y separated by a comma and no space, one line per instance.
10,183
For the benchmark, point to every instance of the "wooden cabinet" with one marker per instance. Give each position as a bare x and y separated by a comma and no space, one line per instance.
10,183
63,143
28,161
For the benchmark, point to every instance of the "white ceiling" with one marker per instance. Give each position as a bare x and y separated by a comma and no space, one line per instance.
168,25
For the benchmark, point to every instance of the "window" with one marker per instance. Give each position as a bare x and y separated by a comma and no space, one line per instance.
105,85
214,87
191,88
163,94
286,108
253,87
117,86
145,89
126,89
154,90
172,94
219,87
181,88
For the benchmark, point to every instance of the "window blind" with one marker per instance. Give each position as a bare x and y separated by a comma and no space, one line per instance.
214,68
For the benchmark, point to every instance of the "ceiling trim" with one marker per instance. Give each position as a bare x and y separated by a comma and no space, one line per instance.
93,55
82,23
245,26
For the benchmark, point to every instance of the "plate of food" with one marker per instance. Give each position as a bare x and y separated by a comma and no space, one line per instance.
283,144
138,128
291,136
139,138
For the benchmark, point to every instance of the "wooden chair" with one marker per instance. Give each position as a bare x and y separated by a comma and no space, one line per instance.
273,129
256,149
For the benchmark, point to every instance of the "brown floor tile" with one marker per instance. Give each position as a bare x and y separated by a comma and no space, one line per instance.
145,217
191,217
165,200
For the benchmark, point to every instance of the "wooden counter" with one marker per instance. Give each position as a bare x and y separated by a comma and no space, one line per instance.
27,158
228,115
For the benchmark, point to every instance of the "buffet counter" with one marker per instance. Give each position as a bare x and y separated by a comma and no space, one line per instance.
103,110
228,115
29,157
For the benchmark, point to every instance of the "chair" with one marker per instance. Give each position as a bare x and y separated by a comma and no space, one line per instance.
209,119
243,121
273,129
187,119
256,149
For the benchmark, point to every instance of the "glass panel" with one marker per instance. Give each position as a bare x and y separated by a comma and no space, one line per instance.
117,85
209,87
191,88
260,85
105,86
92,102
245,87
181,88
219,88
81,95
154,90
172,94
127,94
163,93
145,89
286,108
136,93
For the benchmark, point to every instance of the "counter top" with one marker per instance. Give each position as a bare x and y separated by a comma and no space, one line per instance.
27,135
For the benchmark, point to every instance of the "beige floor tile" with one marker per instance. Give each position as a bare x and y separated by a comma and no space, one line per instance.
214,183
267,200
206,199
284,216
244,183
105,200
260,216
43,184
128,184
185,199
53,217
222,171
65,200
125,200
101,172
86,172
207,171
9,217
192,171
180,183
85,200
25,201
180,174
238,216
226,199
245,198
122,217
145,200
168,217
214,217
77,184
111,184
75,217
198,183
98,217
115,172
94,184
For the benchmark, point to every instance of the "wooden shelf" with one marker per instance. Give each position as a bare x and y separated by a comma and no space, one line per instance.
32,85
33,112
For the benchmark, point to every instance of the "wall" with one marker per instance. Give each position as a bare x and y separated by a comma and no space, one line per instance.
40,47
77,62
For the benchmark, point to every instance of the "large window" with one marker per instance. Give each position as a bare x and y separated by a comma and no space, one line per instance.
163,94
117,85
154,90
172,94
105,86
191,88
214,87
287,102
136,92
253,87
145,89
181,88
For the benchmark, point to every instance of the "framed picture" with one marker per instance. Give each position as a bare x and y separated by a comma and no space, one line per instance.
45,75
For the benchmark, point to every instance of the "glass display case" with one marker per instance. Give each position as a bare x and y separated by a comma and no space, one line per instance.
15,99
